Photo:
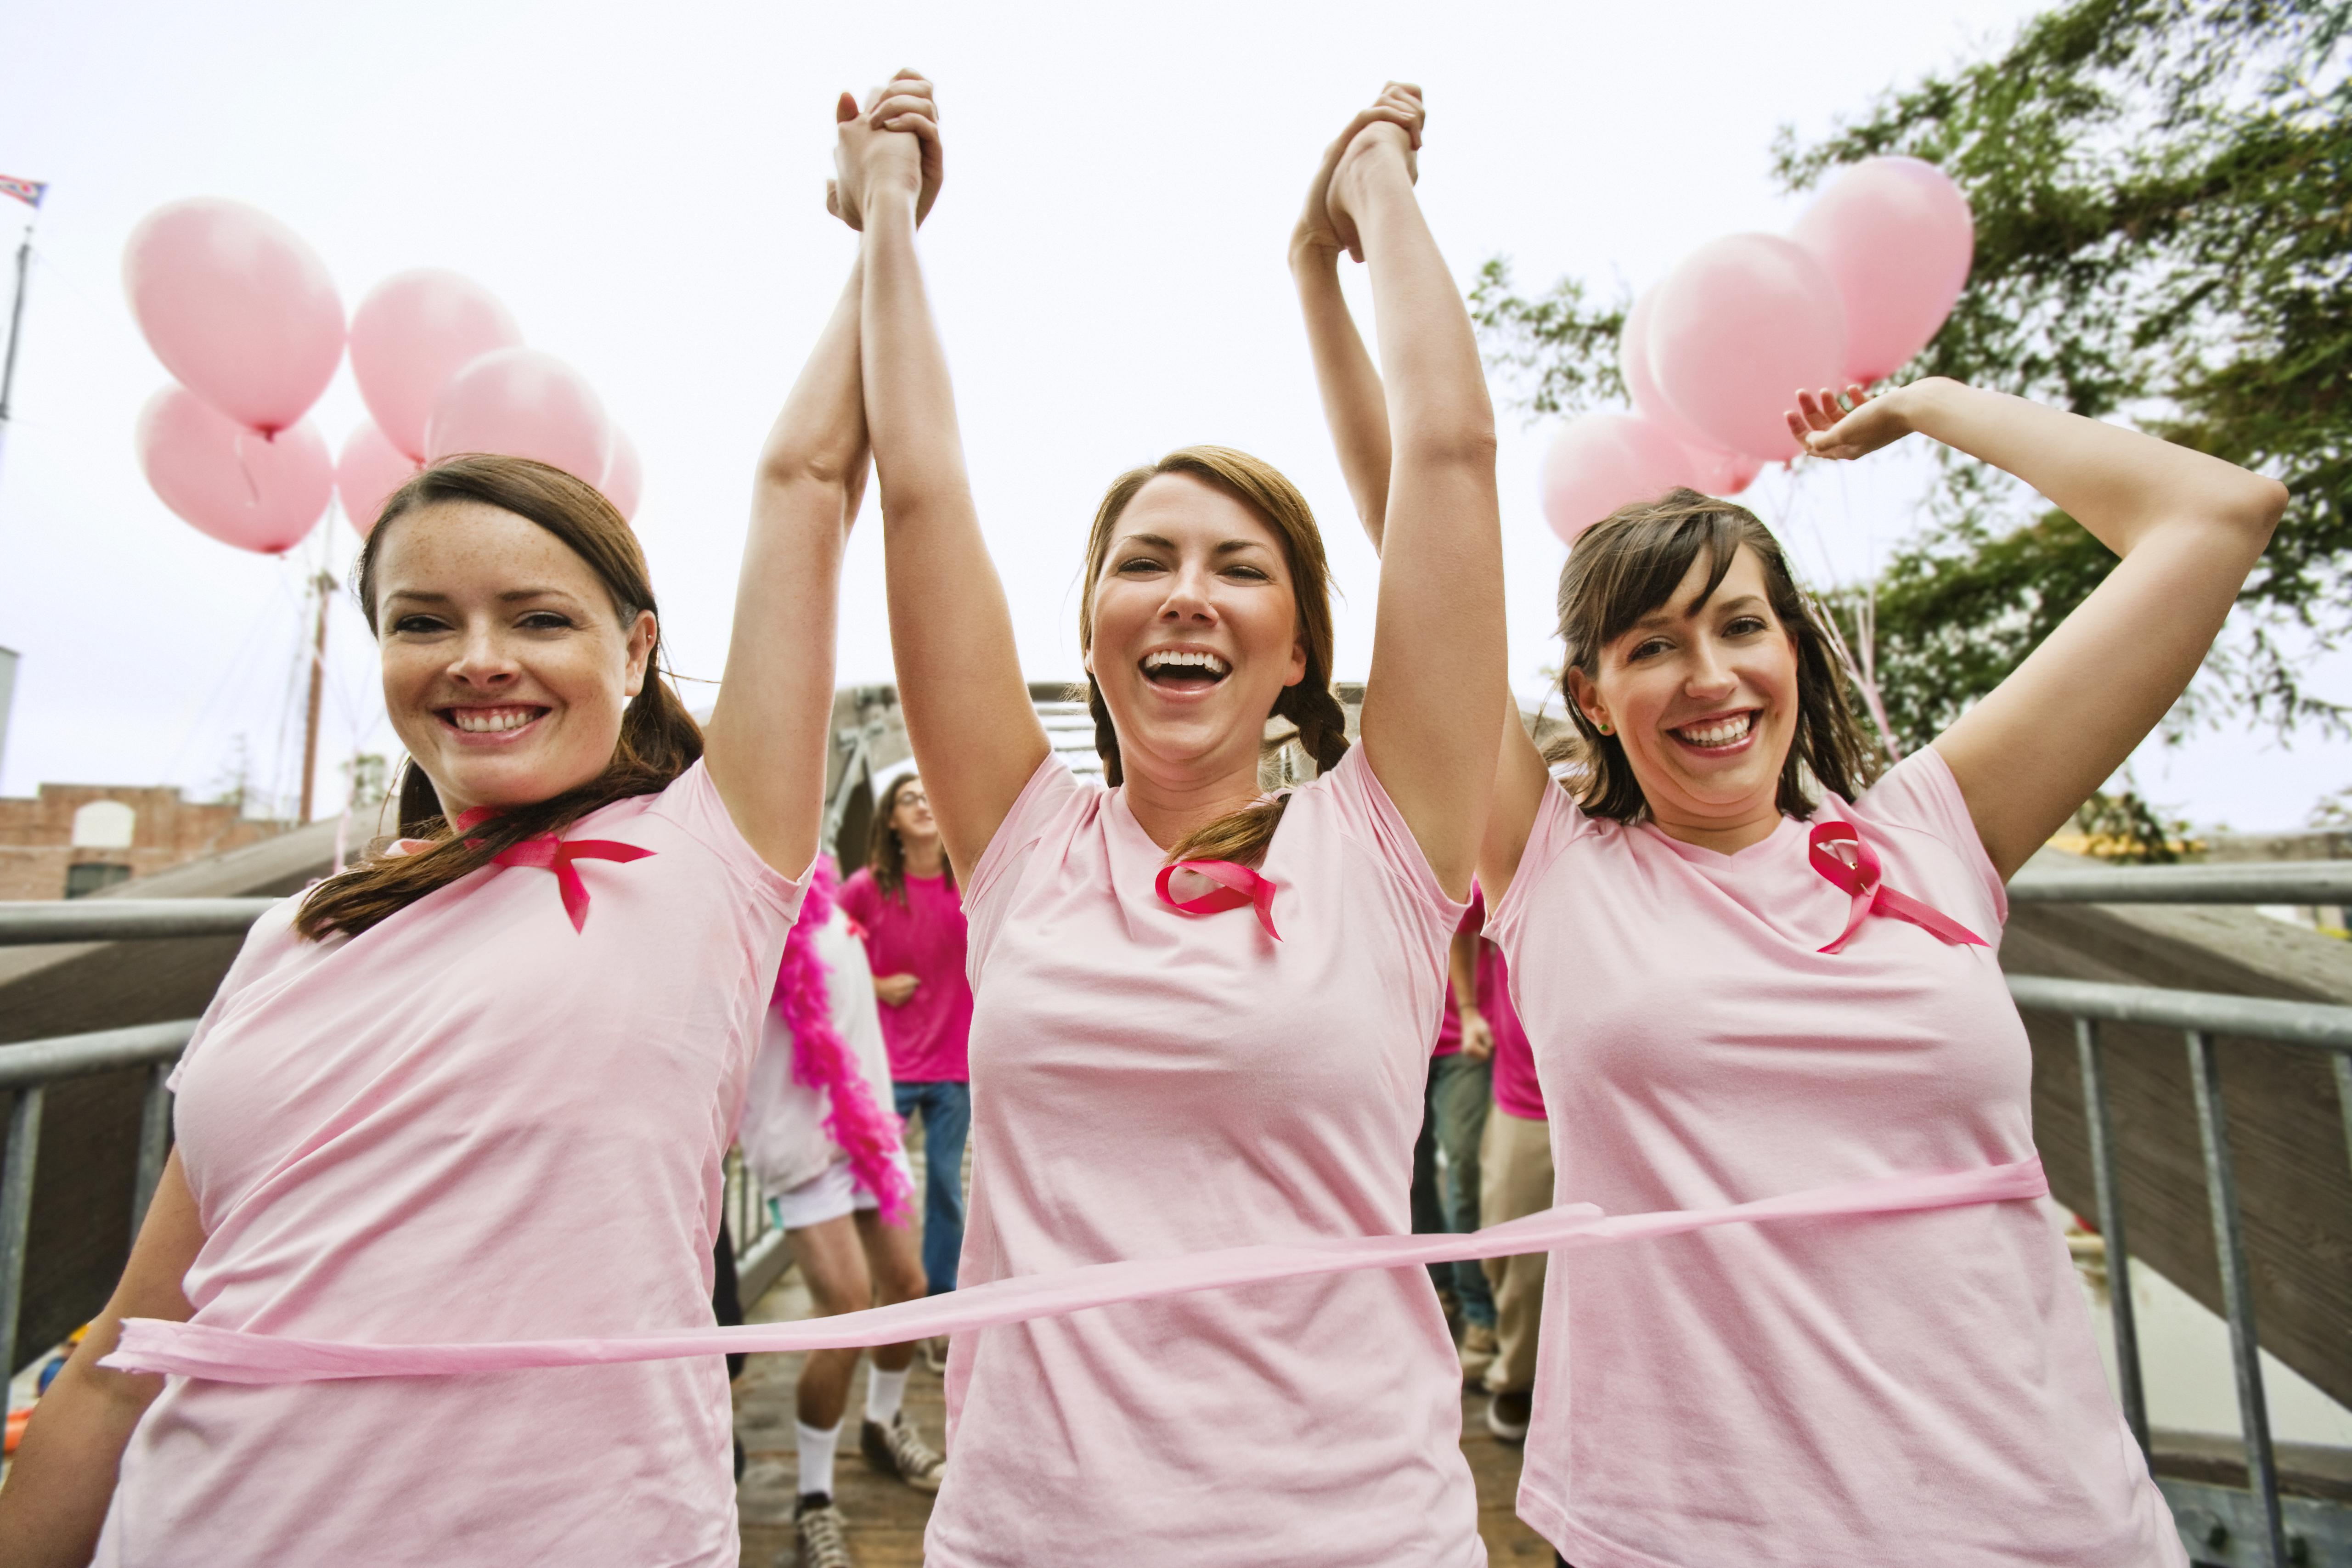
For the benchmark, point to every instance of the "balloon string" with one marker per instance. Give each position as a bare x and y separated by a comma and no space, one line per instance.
230,1355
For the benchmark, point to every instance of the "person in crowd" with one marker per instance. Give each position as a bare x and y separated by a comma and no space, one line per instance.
908,903
1454,1119
484,1082
1516,1180
1156,1069
816,1136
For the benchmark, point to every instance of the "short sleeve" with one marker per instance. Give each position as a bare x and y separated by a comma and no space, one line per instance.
1049,810
1920,793
1559,823
265,941
692,803
860,900
1367,815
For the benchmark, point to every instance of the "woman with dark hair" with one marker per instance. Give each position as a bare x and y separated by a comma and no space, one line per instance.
484,1082
905,900
1751,964
1202,1015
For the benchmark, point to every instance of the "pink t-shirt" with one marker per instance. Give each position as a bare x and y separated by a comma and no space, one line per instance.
922,935
1822,1393
1148,1083
1516,1092
471,1122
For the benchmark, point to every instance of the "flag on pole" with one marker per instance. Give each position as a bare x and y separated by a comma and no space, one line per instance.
26,190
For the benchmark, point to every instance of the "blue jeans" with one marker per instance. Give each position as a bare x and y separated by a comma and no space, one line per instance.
946,1110
1455,1120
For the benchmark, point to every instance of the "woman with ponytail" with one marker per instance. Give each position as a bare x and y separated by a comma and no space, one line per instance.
1202,1015
485,1082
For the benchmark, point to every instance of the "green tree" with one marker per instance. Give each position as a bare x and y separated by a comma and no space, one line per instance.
2163,200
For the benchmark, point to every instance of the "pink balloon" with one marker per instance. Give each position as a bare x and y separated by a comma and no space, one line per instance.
413,332
367,473
521,403
625,476
1712,469
237,307
1735,329
257,493
1600,462
1896,237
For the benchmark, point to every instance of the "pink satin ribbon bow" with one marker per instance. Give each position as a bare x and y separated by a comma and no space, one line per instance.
557,855
1860,879
1236,886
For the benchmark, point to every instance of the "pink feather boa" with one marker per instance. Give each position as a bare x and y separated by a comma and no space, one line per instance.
821,1058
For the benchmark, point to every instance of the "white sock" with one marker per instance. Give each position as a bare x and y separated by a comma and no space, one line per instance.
885,1392
816,1445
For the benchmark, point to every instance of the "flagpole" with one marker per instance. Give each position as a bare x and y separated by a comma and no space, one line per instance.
16,325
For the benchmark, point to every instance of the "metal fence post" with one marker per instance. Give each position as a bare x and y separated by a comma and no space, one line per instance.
16,1211
154,1145
2111,1227
2237,1292
2343,1096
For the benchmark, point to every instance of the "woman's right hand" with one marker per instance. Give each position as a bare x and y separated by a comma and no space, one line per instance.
894,989
891,144
1398,104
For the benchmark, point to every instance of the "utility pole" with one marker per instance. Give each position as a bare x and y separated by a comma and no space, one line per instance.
325,586
15,328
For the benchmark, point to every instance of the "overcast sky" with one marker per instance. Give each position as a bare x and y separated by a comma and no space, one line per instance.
642,185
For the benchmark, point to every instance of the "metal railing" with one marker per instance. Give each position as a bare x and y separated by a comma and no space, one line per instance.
2212,1519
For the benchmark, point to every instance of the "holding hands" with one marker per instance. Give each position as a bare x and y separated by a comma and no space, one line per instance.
891,146
1392,125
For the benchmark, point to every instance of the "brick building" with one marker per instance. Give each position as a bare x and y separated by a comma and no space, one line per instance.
73,840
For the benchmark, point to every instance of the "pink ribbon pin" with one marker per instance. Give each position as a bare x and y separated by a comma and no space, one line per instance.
557,855
1859,876
1236,886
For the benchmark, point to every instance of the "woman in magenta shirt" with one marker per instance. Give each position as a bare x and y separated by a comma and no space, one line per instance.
907,901
1155,1070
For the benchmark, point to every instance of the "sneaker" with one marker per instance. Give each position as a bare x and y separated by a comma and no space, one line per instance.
1506,1416
898,1451
935,1355
824,1534
1478,1350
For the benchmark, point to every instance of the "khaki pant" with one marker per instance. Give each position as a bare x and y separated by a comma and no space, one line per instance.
1515,1165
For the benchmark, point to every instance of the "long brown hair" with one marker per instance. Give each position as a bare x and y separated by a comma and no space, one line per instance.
886,857
1631,563
1311,705
658,741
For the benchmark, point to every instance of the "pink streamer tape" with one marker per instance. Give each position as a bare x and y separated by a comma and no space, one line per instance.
228,1355
1236,886
1861,879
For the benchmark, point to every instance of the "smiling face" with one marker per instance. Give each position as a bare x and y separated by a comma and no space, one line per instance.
1703,698
910,813
1195,630
506,666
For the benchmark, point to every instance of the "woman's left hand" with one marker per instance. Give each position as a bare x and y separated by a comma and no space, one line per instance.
1400,105
1868,422
905,104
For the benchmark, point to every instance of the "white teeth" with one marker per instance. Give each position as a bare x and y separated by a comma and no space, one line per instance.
491,721
1173,659
1721,733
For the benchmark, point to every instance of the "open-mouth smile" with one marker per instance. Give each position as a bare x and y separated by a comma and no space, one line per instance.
498,725
1183,671
1719,735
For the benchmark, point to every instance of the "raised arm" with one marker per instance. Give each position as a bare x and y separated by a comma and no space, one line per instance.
1437,687
976,738
766,741
2188,529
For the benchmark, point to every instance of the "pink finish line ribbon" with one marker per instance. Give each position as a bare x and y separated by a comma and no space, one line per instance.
556,855
1861,879
1236,886
228,1355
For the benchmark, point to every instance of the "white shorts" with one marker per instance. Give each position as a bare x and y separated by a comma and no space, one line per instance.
831,1195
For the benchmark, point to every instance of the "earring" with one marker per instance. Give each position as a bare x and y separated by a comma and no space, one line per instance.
1607,728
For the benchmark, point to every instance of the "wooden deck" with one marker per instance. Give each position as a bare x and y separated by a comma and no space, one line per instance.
886,1518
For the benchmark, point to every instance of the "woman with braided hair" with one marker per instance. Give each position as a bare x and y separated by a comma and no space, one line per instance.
1202,1015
